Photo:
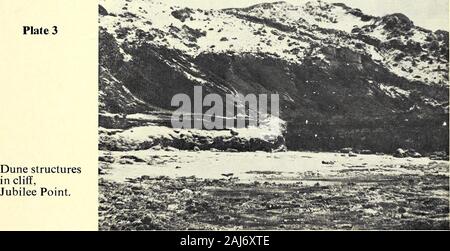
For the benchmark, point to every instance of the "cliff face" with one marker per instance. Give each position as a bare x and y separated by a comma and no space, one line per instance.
344,78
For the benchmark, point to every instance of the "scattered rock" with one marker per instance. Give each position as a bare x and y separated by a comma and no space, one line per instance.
101,171
346,150
119,204
352,154
439,156
156,148
147,220
187,192
366,152
133,158
401,210
182,14
415,155
126,162
172,207
108,159
233,132
170,149
281,148
346,226
227,217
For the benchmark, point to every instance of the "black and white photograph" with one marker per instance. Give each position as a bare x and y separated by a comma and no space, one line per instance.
262,115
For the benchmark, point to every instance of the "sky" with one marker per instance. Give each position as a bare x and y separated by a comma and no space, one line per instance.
429,14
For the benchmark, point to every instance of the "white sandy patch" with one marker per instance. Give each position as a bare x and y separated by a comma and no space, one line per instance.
260,166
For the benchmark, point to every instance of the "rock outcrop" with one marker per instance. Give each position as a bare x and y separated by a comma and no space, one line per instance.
369,82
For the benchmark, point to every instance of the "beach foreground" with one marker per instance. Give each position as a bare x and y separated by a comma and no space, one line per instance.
177,190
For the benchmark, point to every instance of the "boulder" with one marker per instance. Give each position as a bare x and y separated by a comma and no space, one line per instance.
400,153
182,14
366,152
397,21
102,11
415,155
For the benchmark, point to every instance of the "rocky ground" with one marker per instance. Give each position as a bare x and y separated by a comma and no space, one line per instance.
339,194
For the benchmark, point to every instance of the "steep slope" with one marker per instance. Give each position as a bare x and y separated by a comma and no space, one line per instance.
344,78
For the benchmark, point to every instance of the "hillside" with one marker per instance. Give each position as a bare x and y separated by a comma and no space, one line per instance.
344,78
